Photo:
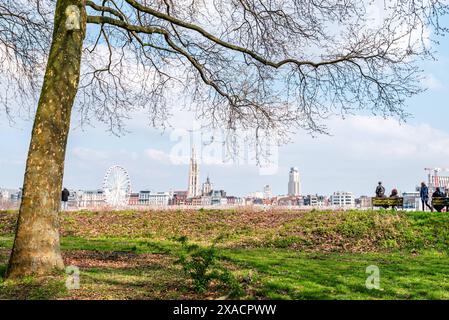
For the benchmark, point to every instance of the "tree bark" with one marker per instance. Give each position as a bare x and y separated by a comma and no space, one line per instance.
36,249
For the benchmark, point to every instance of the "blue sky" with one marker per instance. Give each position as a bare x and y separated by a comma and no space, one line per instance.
360,151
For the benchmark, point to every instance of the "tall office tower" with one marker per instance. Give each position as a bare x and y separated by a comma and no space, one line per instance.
294,183
207,187
194,177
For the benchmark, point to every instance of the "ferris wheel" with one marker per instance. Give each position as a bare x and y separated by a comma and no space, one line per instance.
117,186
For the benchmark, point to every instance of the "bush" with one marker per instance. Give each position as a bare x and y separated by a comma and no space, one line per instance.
202,265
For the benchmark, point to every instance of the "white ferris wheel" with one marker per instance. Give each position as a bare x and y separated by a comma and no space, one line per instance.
117,187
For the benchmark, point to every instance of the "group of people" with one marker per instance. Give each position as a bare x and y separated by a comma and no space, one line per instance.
380,193
424,195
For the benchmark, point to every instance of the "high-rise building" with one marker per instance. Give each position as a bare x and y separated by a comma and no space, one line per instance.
194,177
207,187
294,183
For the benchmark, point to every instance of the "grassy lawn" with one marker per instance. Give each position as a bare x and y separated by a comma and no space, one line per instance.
276,255
283,274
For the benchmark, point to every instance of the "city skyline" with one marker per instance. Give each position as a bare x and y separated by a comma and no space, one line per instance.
215,151
265,181
360,151
197,188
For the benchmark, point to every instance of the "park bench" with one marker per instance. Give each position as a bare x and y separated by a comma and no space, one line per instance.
440,202
395,202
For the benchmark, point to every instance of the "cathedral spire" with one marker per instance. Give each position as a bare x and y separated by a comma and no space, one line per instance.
194,176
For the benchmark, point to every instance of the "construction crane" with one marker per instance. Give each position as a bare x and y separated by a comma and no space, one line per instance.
435,182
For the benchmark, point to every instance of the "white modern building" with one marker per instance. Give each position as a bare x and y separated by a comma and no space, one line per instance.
87,198
144,197
294,183
159,199
342,199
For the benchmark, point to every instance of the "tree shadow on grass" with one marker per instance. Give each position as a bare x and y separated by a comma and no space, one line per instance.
151,282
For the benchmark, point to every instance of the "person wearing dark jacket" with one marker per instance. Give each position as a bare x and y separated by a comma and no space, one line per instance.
438,194
424,194
394,195
65,198
380,191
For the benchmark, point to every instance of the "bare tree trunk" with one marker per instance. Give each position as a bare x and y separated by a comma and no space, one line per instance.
36,246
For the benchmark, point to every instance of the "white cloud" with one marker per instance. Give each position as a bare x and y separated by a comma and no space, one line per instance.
365,137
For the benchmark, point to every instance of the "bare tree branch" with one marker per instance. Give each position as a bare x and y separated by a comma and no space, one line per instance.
245,64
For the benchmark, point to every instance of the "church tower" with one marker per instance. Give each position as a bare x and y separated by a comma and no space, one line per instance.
194,177
207,187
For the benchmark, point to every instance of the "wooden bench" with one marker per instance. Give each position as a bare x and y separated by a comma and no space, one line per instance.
396,202
440,202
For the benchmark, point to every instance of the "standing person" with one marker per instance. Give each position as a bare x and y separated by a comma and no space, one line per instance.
424,194
65,198
380,190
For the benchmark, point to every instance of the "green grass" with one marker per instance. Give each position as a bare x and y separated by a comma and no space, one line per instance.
149,282
6,241
275,255
351,231
275,274
283,274
116,244
30,288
